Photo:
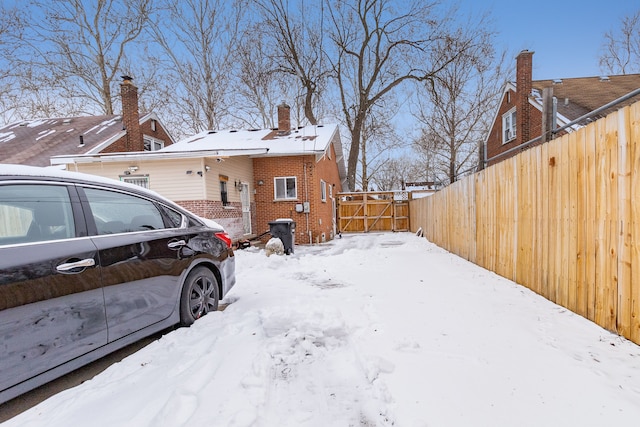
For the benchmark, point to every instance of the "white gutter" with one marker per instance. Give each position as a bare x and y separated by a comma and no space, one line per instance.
154,155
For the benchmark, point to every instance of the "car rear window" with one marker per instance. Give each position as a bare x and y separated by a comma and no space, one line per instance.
116,212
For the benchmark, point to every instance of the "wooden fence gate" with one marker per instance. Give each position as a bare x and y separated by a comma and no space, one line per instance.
373,211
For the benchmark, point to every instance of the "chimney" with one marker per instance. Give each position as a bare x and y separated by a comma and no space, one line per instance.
130,115
524,77
284,119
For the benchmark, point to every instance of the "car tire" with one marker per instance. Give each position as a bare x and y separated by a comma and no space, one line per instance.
199,295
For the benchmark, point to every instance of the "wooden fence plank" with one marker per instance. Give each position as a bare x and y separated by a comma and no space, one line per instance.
564,260
591,215
634,139
611,138
554,219
623,126
545,229
581,184
538,241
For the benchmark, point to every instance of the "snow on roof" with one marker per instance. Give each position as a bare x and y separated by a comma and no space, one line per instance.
304,140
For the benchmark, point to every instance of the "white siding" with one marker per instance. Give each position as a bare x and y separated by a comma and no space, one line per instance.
170,178
237,169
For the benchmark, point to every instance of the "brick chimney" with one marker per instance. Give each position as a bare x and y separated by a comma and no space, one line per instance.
130,115
524,77
284,119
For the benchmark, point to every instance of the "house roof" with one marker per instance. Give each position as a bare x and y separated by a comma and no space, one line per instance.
579,96
307,140
304,140
34,142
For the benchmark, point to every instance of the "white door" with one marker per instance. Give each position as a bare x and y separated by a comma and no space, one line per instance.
245,199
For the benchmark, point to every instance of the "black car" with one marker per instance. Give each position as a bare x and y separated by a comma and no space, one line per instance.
89,265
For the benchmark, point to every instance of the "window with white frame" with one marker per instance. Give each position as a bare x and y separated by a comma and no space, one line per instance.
285,188
139,180
509,126
323,191
152,144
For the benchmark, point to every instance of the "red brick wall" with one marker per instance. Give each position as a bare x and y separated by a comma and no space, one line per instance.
120,146
494,141
524,75
160,132
319,219
131,117
229,217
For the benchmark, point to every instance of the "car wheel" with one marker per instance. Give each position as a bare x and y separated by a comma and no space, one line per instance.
199,295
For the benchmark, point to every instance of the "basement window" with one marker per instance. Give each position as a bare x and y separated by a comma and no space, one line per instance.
509,126
139,180
285,188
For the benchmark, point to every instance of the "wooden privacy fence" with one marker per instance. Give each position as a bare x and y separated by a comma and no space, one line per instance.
562,219
373,211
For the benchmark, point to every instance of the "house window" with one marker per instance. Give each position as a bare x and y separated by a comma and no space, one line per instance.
139,180
323,191
509,126
285,188
152,144
331,191
153,125
224,195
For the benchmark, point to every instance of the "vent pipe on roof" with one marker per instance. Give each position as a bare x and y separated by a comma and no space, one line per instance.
81,141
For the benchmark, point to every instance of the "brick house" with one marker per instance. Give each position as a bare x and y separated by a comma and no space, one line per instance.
34,142
520,116
243,179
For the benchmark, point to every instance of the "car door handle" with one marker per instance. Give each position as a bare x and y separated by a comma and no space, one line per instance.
67,266
176,244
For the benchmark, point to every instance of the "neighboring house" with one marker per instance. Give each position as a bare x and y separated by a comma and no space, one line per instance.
519,118
242,179
34,142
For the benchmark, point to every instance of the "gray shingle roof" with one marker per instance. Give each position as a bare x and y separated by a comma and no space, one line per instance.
34,142
579,96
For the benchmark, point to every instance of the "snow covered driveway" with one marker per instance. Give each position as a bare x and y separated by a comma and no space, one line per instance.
368,330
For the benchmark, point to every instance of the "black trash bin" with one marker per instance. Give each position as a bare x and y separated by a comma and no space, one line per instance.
285,230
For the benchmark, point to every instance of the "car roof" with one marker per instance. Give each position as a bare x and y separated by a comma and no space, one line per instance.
9,171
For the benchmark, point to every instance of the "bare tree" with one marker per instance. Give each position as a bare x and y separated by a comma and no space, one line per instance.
11,27
381,44
395,171
379,141
621,49
298,46
78,45
199,39
260,86
456,118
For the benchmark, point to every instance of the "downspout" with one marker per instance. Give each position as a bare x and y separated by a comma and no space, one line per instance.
306,199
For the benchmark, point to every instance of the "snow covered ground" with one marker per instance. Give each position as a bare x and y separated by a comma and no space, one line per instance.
368,330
